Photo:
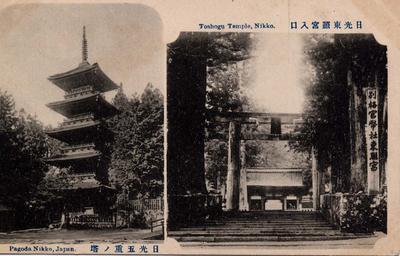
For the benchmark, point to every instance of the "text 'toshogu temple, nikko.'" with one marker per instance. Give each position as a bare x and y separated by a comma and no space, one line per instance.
86,139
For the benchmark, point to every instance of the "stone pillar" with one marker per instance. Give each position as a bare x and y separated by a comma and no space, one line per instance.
243,200
315,180
321,183
233,175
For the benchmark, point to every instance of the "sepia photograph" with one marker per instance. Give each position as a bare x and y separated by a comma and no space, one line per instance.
229,127
277,140
81,123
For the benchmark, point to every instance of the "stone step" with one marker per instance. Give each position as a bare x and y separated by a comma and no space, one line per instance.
274,217
266,221
267,228
293,228
259,233
270,213
265,238
251,227
267,224
267,215
311,217
249,224
262,234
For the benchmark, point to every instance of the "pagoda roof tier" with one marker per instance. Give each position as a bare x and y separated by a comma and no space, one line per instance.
85,74
83,155
88,185
84,181
92,103
84,158
78,132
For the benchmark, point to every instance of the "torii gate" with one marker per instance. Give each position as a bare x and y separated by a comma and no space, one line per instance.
236,192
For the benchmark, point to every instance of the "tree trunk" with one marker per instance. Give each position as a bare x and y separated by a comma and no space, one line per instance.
358,169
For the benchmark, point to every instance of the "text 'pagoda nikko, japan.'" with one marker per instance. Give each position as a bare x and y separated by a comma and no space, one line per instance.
86,141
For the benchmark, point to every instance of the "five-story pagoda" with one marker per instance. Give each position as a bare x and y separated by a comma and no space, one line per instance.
86,140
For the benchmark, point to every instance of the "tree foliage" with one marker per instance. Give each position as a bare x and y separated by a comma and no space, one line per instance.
227,77
35,191
137,155
225,48
22,147
227,71
327,111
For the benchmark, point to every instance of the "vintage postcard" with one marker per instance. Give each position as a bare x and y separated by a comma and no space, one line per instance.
199,127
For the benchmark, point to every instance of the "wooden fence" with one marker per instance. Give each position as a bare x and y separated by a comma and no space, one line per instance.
91,221
147,204
155,204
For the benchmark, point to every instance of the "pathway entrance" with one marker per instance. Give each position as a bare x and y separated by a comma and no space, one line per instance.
273,204
263,172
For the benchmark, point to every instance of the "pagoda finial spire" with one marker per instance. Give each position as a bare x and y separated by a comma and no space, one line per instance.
84,47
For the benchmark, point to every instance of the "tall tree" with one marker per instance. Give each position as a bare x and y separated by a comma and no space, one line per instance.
227,78
23,145
137,157
328,119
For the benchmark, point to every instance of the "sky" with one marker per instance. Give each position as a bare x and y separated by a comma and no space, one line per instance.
278,62
127,41
41,40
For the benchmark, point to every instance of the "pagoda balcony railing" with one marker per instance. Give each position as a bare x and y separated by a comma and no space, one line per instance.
86,175
76,177
76,122
78,149
81,91
79,117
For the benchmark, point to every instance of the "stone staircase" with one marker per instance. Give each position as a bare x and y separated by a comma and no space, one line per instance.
263,226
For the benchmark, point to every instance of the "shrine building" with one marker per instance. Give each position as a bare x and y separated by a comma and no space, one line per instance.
276,181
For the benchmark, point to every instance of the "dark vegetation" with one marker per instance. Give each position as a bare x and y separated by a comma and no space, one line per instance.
30,187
